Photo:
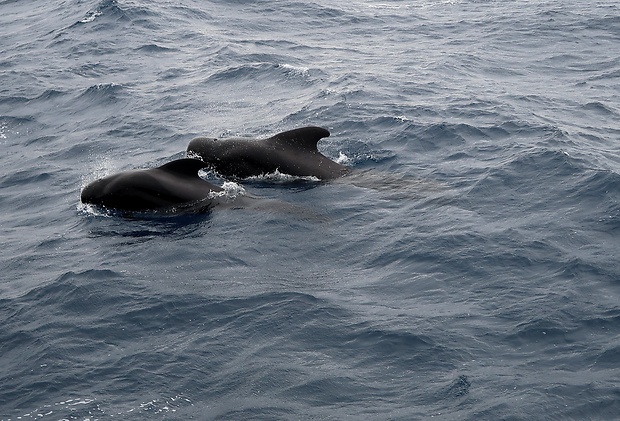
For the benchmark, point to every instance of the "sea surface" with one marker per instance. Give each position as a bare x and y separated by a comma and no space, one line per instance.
468,269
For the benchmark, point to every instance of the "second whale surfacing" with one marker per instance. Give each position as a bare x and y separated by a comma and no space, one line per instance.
293,152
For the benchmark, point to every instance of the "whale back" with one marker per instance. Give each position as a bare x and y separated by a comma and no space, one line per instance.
172,184
294,152
187,167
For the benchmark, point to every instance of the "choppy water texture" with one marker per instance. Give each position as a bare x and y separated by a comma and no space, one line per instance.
468,271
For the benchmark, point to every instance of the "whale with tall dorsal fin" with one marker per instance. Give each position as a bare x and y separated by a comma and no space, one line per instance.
293,152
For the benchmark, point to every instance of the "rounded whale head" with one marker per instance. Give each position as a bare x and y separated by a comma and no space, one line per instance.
293,152
173,184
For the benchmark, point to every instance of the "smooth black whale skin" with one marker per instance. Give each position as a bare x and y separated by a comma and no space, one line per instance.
173,184
293,152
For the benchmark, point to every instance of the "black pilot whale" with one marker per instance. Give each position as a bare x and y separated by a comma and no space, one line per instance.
293,152
173,184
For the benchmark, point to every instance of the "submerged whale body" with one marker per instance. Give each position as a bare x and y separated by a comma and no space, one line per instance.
293,152
174,184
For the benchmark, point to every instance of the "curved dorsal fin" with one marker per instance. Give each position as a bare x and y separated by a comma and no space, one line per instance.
305,137
185,166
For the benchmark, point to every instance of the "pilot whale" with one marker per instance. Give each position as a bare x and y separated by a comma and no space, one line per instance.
173,184
293,152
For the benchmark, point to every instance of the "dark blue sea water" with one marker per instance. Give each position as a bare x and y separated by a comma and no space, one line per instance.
468,270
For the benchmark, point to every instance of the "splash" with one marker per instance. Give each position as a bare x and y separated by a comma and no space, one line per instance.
103,167
91,210
231,191
277,176
343,159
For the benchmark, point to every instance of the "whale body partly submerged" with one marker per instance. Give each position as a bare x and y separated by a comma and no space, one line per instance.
173,184
293,152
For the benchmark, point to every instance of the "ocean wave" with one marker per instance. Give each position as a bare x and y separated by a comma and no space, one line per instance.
102,93
601,108
47,95
154,48
539,333
112,10
11,127
608,359
25,177
605,75
546,162
294,71
599,190
391,343
91,16
50,95
259,71
586,267
540,163
598,184
109,9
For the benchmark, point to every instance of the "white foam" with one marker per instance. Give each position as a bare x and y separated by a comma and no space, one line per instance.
383,6
231,191
277,176
343,159
91,16
92,210
295,70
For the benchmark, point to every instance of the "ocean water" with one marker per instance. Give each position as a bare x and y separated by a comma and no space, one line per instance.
467,270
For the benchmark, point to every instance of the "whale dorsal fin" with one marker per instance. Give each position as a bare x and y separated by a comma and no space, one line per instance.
306,138
186,166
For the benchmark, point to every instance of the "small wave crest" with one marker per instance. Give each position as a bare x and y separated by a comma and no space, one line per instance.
601,108
598,184
539,163
262,71
111,8
102,93
294,70
107,7
154,48
91,16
